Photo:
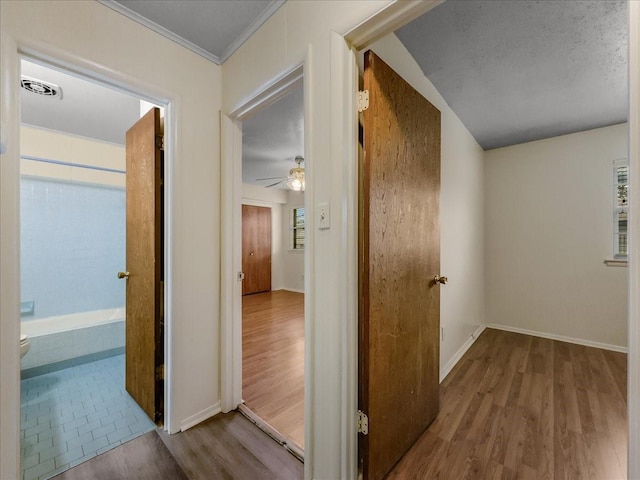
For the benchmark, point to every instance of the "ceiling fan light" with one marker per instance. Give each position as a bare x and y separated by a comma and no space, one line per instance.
296,181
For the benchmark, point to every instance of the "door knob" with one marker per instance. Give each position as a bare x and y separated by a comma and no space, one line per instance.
123,275
251,254
440,280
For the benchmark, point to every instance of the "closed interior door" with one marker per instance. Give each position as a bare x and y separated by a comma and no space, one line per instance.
256,249
399,256
144,336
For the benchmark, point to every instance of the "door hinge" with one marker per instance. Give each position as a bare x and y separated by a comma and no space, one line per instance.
363,100
160,372
240,276
160,142
363,423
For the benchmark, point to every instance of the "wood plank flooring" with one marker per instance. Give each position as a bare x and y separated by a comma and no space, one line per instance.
226,447
229,446
517,406
514,407
144,458
273,360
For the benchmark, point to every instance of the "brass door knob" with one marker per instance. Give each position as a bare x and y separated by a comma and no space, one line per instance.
440,280
123,275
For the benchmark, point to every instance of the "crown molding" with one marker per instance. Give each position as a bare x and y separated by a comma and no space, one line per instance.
237,43
251,29
136,17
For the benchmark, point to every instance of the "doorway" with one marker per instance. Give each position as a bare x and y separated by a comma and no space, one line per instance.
73,400
273,267
282,202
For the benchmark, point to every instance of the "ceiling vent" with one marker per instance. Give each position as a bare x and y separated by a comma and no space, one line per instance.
39,87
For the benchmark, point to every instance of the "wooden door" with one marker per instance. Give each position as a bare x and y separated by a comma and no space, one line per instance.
256,249
399,257
144,336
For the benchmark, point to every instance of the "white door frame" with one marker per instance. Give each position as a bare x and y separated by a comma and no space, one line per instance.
11,51
231,241
633,355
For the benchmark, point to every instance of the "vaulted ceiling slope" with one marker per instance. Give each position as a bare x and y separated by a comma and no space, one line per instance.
517,71
211,28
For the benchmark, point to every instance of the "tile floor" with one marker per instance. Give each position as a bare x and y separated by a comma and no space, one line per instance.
72,415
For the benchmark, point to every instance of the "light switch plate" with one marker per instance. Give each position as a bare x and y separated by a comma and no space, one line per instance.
324,216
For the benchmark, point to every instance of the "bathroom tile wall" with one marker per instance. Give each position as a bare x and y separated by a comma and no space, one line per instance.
56,347
72,246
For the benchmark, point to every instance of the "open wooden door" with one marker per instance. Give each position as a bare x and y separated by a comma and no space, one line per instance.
144,323
399,257
256,249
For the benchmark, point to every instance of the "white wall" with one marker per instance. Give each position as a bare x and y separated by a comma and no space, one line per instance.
274,199
293,260
462,307
549,221
91,38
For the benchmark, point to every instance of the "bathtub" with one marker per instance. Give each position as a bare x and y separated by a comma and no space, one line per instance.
80,336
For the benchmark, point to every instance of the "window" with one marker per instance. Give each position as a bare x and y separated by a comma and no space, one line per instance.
621,209
297,228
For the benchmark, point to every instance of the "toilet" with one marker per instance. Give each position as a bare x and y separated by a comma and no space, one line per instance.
25,345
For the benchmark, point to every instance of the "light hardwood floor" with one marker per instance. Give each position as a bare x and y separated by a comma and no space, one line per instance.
273,360
523,407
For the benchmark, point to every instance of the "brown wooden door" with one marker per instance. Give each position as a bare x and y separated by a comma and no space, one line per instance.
144,337
256,249
399,257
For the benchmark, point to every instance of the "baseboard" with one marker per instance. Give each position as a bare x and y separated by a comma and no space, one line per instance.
295,290
444,371
200,417
560,338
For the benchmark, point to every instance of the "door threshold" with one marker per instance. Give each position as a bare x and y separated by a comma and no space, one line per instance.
283,440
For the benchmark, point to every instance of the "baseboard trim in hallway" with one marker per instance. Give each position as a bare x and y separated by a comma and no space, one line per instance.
559,338
444,371
200,417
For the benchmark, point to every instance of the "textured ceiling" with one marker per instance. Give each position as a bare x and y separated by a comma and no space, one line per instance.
513,71
86,109
213,29
272,138
517,71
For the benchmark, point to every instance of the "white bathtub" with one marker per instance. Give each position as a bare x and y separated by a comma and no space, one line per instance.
66,337
73,321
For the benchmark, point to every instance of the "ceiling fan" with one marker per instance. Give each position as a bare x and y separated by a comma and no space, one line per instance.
295,179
